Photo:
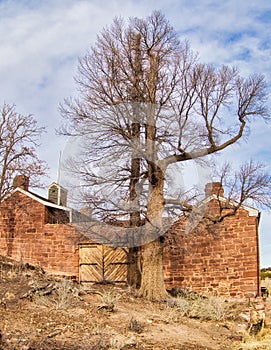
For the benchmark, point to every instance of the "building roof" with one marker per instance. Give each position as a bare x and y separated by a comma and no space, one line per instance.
74,215
41,200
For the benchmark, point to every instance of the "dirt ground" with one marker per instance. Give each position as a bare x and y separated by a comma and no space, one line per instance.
40,312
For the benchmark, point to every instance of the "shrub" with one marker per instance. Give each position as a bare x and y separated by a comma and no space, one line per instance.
108,299
205,308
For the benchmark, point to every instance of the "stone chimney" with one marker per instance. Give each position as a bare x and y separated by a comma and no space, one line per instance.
214,188
57,194
21,181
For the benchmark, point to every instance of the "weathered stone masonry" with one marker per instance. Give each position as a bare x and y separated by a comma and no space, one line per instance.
221,258
26,235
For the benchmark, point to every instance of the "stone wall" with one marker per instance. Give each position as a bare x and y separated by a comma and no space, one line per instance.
25,236
219,258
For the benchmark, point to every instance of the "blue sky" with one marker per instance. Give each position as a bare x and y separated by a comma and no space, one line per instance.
40,42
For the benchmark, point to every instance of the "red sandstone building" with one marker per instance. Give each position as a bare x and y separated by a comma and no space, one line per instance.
220,258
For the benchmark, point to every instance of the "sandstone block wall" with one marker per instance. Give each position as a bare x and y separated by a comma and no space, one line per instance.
220,258
25,236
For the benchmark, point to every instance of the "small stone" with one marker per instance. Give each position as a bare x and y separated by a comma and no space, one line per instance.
9,296
245,317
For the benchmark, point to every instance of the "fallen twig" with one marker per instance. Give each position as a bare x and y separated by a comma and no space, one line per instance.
43,290
56,332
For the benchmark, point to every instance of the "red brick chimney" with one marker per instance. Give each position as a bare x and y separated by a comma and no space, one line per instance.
214,188
21,181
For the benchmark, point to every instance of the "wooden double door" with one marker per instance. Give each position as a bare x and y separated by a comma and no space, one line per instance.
101,263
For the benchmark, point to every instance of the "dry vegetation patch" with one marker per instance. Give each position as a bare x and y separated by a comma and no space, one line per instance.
41,312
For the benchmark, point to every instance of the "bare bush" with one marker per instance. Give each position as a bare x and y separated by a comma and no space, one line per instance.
205,308
60,296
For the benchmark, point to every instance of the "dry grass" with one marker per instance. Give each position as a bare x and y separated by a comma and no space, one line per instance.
206,308
68,317
62,297
108,299
261,341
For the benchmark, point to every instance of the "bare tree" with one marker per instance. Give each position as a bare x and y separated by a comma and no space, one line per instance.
19,136
149,100
250,185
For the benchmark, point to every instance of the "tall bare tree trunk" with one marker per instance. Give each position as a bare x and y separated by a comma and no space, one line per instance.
152,279
134,273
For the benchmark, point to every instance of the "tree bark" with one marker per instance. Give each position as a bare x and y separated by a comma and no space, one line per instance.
152,281
152,278
134,273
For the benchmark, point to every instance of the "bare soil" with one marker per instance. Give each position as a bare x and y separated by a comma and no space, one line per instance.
40,312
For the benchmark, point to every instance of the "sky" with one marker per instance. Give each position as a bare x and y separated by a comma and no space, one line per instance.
41,41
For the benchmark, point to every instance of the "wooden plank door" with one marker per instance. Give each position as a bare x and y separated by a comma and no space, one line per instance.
99,263
90,265
115,264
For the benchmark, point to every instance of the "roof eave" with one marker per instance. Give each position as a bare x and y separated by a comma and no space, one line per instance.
251,211
38,199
